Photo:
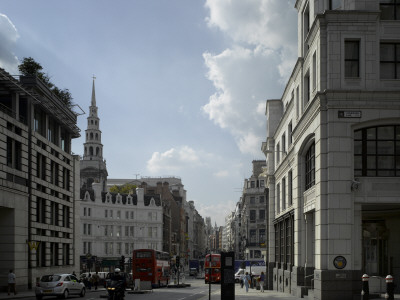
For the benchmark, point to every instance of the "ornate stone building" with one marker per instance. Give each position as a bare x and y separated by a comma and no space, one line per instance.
332,149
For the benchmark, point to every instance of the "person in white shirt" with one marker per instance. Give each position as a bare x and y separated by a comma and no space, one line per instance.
11,283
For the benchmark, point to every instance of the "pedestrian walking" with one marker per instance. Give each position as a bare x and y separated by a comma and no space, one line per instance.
242,280
262,278
90,281
96,279
11,283
246,281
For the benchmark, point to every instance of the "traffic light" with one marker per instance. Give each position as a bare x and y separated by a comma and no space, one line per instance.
122,263
177,261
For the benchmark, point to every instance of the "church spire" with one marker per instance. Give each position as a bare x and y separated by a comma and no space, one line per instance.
93,93
92,165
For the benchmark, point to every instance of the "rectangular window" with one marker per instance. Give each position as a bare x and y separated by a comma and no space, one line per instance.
261,199
261,183
390,60
298,103
253,236
252,184
390,9
106,213
118,214
252,215
277,250
261,214
119,247
310,167
131,214
314,71
290,186
283,193
127,215
278,153
89,211
376,151
278,198
352,59
126,230
252,200
307,93
261,234
126,248
65,257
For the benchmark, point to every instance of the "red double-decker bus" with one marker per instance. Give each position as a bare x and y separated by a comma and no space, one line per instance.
151,265
212,268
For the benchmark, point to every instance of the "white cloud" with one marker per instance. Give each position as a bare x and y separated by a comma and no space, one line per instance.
217,211
173,160
222,174
8,39
253,69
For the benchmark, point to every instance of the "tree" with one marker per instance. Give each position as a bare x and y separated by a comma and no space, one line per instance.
126,188
29,67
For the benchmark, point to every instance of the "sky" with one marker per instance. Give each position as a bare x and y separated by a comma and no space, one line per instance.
181,85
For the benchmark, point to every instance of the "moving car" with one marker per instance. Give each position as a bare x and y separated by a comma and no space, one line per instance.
61,285
192,272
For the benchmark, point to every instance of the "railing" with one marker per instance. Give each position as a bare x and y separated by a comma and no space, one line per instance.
8,111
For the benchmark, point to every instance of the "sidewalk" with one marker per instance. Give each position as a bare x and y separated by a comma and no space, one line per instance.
31,293
240,294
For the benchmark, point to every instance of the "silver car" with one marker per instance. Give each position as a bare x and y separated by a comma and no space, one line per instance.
61,285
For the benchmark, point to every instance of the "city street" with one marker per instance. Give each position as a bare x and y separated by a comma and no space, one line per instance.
197,291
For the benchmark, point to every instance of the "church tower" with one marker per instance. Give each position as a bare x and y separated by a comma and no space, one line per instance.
93,167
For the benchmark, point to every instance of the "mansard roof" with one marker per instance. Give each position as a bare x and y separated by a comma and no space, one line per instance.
124,197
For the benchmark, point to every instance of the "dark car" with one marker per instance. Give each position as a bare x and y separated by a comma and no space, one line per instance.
192,272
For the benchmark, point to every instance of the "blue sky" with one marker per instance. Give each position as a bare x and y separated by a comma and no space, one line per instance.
180,85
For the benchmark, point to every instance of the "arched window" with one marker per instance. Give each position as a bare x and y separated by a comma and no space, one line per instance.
97,151
90,151
97,136
91,135
377,151
310,166
85,151
91,122
95,122
87,136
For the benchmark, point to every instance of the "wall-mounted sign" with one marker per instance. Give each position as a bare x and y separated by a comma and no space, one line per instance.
349,114
339,262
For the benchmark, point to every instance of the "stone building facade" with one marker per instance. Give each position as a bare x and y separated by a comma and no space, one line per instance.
253,213
113,225
332,149
38,182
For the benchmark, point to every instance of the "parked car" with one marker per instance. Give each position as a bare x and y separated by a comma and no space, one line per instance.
61,285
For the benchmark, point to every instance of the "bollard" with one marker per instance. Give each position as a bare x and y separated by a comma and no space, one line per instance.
389,287
365,287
